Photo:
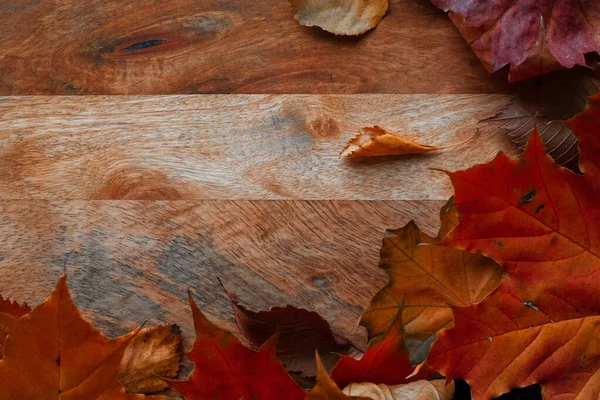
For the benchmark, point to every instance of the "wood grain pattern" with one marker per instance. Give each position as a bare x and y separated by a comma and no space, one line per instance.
227,46
132,260
235,146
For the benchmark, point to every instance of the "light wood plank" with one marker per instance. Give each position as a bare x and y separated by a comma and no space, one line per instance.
227,46
132,260
235,146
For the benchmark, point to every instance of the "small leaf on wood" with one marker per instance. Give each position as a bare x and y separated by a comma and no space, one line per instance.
300,333
13,308
153,354
545,102
419,390
375,141
341,17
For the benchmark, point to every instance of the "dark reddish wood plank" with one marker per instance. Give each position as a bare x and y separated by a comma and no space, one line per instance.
227,46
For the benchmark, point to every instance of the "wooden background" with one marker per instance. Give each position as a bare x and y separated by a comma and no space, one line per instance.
222,158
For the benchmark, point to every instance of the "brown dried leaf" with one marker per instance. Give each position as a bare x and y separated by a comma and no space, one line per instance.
545,102
300,333
341,17
375,141
153,354
419,390
16,310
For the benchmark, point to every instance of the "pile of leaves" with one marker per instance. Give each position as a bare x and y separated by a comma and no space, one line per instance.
507,295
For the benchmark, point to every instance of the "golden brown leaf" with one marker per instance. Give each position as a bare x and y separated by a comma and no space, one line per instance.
53,353
342,17
326,389
12,308
376,141
426,279
419,390
153,354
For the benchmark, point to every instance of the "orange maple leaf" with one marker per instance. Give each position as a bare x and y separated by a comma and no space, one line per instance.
227,370
326,388
426,279
12,308
53,353
541,222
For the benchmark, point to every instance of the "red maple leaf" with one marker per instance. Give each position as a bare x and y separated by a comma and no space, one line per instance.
532,36
541,222
227,370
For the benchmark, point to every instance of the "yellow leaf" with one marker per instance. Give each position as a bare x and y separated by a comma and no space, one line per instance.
376,141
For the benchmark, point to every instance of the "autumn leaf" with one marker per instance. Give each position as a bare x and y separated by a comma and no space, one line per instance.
541,222
419,390
12,308
154,353
545,102
532,36
385,362
341,17
53,353
326,389
426,279
227,370
300,333
376,141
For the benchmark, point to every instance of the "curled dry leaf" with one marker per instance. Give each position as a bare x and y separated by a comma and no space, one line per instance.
300,333
542,224
13,308
426,279
53,353
153,354
326,389
419,390
341,17
532,36
546,101
225,369
385,362
376,141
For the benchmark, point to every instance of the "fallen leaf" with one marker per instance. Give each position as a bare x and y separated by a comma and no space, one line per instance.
53,353
376,141
154,353
300,333
541,222
226,370
12,308
342,17
419,390
326,389
546,101
426,279
532,36
385,362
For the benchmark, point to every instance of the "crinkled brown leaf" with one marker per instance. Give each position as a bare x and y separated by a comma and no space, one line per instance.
153,354
546,101
342,17
13,308
376,141
326,389
426,279
419,390
300,333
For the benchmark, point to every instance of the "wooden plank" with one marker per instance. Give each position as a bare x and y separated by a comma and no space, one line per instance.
132,260
235,146
227,46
